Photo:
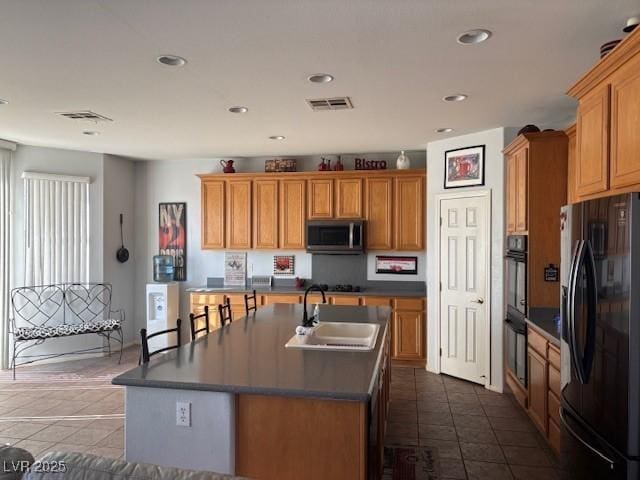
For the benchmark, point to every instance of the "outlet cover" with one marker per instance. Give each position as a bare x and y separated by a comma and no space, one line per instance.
183,414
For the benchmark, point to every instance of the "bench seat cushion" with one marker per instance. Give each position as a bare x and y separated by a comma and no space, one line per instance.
65,330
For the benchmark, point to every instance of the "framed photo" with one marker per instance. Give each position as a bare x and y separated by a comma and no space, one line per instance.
172,235
464,167
235,268
284,265
397,265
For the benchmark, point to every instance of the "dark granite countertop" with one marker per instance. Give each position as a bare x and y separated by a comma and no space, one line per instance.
377,292
543,320
249,356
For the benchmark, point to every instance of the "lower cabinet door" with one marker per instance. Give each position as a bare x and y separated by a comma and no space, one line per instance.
407,332
344,300
537,370
290,299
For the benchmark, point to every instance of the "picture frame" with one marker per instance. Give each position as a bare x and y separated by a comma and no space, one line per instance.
284,265
395,265
235,268
172,236
464,167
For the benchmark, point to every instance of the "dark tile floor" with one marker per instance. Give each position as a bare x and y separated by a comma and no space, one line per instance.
478,434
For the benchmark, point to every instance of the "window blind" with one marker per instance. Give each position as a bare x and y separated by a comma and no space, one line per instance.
56,228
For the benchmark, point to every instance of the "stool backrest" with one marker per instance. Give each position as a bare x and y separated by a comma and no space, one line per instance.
146,353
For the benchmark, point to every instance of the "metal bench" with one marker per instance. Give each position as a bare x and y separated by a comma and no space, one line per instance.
45,312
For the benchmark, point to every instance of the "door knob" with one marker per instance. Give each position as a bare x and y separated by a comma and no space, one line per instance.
479,300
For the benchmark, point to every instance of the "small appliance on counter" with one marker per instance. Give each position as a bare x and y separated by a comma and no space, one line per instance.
261,281
163,268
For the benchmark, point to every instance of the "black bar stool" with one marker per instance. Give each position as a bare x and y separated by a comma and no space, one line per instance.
250,299
193,318
224,310
146,354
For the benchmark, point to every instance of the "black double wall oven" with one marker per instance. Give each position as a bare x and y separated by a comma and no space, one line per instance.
516,331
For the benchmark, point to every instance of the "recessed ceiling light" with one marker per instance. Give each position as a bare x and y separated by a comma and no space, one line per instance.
91,133
238,109
4,102
458,97
444,130
320,78
473,37
277,137
171,60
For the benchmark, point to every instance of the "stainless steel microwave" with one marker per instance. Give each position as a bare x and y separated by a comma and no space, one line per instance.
335,237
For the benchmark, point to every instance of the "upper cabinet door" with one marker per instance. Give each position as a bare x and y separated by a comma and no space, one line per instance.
265,214
320,198
239,214
625,125
409,213
379,213
512,186
212,192
592,167
522,193
292,214
348,197
571,165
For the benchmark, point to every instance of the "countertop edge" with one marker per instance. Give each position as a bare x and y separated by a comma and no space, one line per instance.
285,291
550,337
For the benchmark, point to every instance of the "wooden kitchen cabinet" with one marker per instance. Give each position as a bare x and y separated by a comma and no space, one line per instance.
379,213
522,176
320,199
409,213
344,300
265,214
197,302
592,168
276,298
407,332
571,164
537,389
292,214
238,221
348,197
625,118
213,214
512,188
608,143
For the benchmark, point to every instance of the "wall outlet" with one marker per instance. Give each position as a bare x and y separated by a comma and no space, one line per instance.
183,414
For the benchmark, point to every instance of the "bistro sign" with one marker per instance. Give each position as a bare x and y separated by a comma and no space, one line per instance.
364,164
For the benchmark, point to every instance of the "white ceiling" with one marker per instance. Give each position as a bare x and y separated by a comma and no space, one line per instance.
396,59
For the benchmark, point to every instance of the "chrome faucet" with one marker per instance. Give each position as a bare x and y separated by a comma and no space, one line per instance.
306,321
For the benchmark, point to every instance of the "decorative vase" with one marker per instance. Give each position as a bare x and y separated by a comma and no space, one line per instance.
339,166
403,162
227,166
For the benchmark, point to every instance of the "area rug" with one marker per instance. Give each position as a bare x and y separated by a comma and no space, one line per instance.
410,463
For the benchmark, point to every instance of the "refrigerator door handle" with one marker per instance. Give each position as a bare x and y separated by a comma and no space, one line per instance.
592,309
573,433
571,310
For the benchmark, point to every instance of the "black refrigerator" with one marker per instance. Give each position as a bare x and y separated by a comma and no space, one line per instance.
600,405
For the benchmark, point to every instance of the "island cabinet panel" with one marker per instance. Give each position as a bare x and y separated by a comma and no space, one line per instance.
379,213
348,197
409,213
238,214
625,119
292,214
344,300
592,168
213,209
287,438
320,201
265,214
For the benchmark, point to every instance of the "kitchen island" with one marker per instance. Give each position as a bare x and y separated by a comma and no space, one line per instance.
259,409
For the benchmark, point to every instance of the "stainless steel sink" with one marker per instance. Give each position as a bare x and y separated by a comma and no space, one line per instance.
338,336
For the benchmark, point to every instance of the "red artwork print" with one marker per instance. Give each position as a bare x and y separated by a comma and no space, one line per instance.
172,236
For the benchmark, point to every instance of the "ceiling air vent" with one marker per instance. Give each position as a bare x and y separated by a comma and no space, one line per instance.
85,115
337,103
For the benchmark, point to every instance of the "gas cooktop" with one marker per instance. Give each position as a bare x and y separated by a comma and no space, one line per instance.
340,288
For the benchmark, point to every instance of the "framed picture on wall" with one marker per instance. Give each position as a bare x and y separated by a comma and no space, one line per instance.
172,235
464,167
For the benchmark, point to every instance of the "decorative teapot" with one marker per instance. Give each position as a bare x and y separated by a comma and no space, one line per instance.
227,166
